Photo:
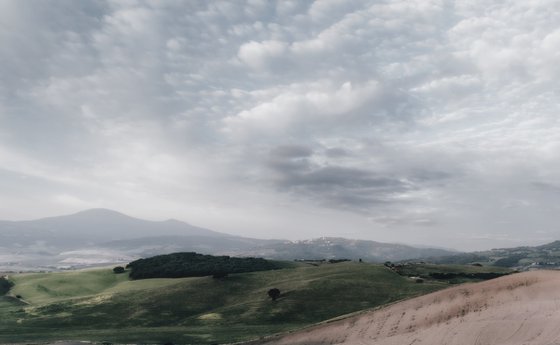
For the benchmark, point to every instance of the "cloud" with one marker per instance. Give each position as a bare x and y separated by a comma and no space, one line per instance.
384,115
258,55
343,187
322,178
291,151
307,106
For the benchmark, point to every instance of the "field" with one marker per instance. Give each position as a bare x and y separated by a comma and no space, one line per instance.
453,274
517,309
99,305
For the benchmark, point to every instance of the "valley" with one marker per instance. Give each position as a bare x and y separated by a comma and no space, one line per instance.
99,305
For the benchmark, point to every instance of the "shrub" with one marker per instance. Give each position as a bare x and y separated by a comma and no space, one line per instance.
274,293
118,269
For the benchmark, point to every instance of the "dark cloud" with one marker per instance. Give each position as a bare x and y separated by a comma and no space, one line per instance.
291,151
359,190
547,187
350,178
336,152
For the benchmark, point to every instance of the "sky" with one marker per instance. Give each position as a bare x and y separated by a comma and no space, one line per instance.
424,122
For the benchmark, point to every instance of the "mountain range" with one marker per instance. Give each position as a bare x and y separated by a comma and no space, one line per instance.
100,237
521,258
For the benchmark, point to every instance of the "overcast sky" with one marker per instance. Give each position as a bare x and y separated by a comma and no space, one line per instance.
420,122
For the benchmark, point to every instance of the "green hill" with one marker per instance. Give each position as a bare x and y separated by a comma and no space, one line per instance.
102,306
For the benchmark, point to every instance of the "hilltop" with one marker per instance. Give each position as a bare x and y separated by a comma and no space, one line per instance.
519,309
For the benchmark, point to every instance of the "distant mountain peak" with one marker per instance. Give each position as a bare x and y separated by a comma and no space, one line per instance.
100,212
93,215
101,223
175,221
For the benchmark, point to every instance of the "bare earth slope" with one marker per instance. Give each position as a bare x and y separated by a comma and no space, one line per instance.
521,309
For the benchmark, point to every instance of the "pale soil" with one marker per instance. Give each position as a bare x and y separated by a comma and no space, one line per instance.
520,309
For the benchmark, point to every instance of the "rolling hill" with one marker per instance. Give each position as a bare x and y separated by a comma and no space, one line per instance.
521,258
99,305
520,309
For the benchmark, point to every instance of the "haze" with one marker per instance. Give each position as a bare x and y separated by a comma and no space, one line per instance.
420,122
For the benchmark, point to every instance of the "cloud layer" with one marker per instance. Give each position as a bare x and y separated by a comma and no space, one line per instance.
431,122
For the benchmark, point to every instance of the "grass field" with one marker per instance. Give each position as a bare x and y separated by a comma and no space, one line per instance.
99,305
426,269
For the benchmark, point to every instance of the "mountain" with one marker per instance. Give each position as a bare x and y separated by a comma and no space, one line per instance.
154,245
101,237
92,226
520,258
338,248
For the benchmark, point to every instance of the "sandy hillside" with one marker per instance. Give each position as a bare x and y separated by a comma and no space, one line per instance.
521,309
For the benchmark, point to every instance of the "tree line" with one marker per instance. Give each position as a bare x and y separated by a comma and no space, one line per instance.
191,264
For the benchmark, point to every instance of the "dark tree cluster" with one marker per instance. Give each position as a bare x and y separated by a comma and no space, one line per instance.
460,259
509,261
178,265
336,261
118,270
5,286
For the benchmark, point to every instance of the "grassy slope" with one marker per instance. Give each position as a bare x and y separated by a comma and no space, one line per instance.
426,269
99,305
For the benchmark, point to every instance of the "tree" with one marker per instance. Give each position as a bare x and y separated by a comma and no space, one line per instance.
118,269
274,293
5,285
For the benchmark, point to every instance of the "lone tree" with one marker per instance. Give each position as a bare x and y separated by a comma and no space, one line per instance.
118,269
274,293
